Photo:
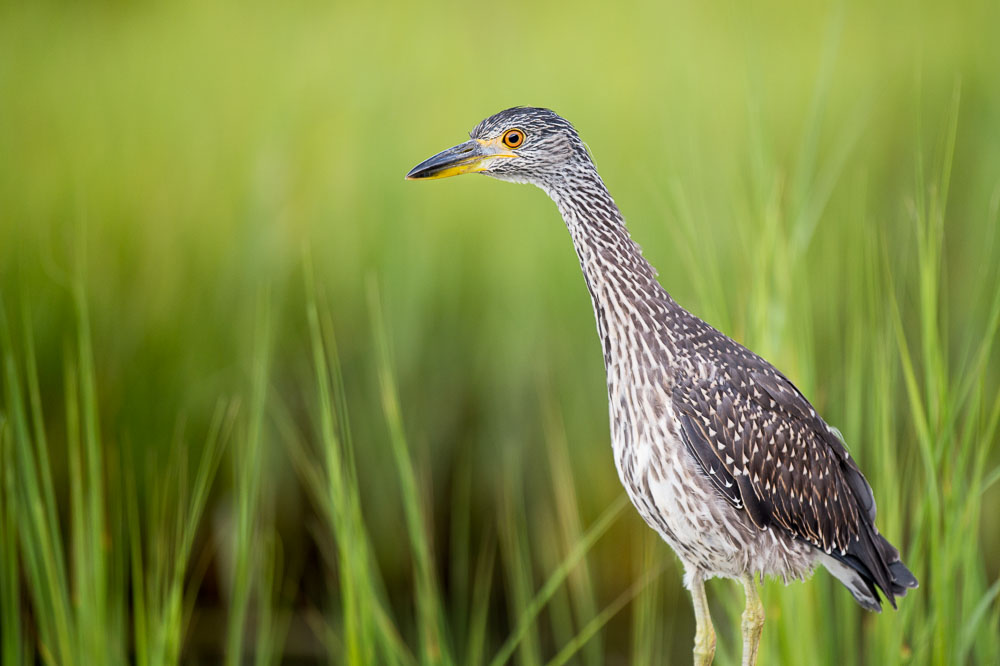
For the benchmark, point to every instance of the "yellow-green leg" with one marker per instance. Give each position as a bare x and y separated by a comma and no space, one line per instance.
753,621
704,634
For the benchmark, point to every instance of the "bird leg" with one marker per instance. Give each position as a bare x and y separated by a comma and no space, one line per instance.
753,621
704,635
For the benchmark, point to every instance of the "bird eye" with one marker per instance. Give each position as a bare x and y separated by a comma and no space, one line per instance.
513,138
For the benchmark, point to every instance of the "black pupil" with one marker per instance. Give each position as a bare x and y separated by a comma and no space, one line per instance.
514,137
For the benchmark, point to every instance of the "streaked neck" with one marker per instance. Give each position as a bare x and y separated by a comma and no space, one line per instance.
624,291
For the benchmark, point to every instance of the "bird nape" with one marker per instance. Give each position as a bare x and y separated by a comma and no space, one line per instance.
718,450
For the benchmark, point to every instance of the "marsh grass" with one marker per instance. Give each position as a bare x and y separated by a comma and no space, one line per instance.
391,447
125,582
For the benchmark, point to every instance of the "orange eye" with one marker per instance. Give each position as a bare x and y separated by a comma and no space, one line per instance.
513,138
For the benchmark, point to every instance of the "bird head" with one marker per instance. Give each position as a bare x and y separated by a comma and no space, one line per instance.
522,145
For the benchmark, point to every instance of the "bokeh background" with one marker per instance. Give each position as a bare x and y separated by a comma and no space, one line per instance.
265,400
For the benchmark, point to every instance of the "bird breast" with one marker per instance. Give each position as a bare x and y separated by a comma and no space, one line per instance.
672,494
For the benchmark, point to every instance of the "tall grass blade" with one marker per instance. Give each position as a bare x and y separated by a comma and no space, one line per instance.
13,645
41,544
556,578
592,628
253,566
429,613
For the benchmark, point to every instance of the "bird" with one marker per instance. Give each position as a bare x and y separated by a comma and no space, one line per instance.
717,450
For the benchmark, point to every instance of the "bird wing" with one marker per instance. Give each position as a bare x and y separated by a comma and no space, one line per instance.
768,452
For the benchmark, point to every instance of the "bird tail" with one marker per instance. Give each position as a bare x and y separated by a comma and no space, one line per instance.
870,565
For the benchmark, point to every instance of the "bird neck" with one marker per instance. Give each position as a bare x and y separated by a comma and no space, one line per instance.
623,288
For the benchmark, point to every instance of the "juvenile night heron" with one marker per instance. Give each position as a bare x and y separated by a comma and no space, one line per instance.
717,449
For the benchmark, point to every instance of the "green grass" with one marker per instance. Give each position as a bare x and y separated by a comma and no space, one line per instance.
262,400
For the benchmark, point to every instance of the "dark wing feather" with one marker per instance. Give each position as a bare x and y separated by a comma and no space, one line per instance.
769,453
784,469
789,399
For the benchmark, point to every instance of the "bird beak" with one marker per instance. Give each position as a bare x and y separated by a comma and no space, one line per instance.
469,157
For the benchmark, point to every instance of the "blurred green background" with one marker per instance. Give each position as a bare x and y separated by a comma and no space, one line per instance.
204,227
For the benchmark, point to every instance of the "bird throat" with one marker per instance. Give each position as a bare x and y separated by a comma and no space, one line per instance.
622,284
